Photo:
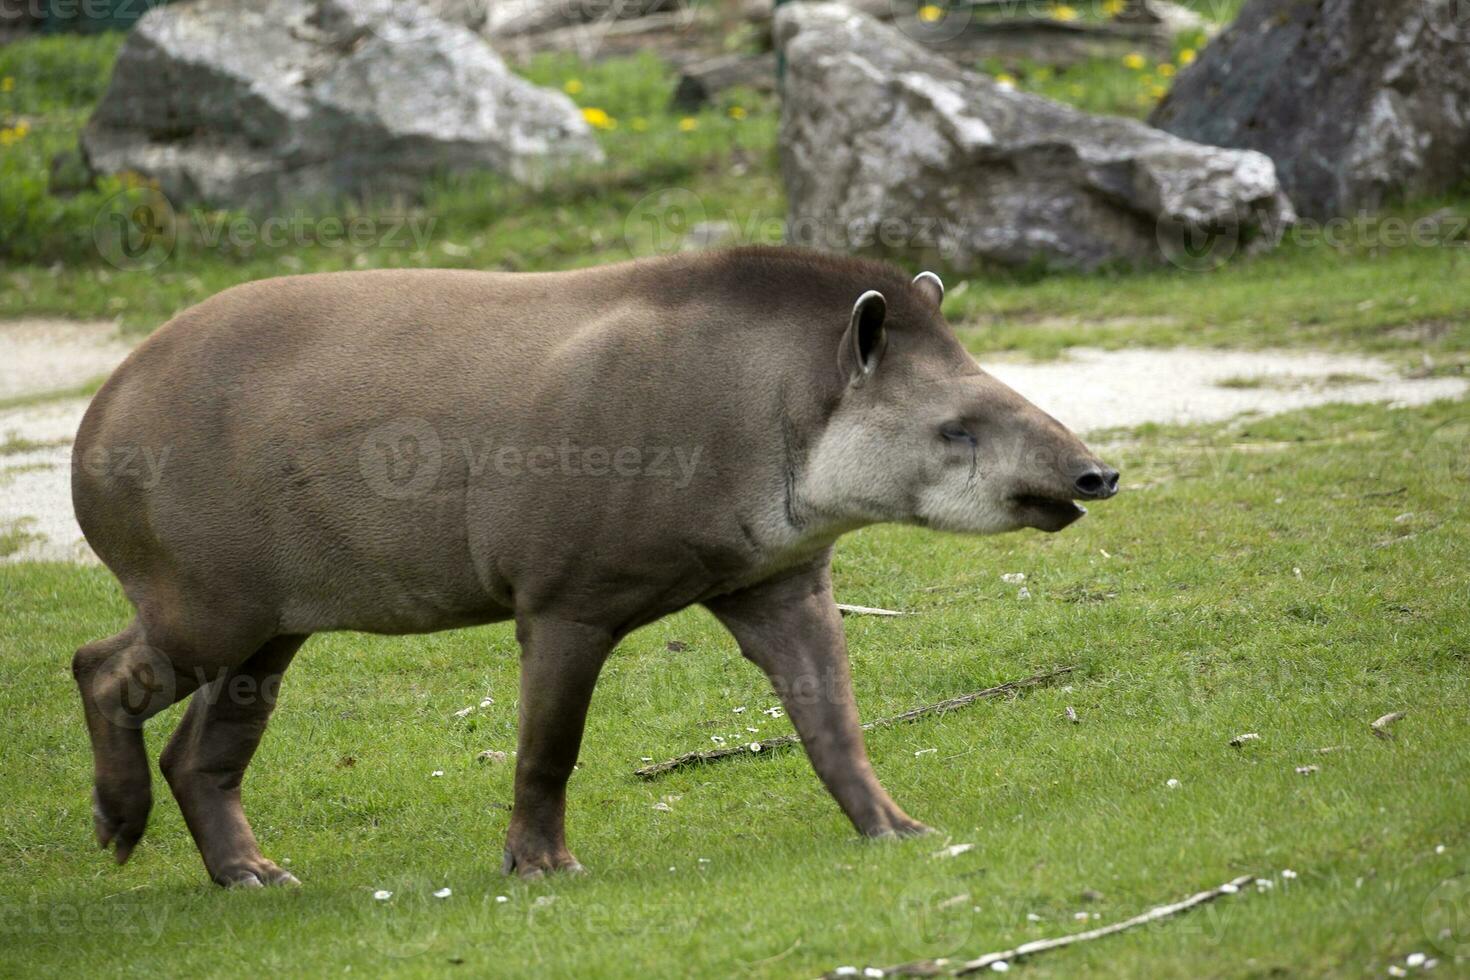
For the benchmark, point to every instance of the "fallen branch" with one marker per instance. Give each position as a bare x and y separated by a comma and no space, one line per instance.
1152,915
936,967
713,755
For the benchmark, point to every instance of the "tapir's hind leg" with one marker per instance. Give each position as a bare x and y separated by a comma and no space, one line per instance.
205,762
123,682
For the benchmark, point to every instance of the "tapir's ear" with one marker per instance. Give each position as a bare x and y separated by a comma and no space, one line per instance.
865,340
930,287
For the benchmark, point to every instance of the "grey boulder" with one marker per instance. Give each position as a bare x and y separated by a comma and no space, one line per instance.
889,148
253,103
1359,102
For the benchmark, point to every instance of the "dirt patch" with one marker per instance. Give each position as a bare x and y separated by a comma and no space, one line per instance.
38,356
1091,390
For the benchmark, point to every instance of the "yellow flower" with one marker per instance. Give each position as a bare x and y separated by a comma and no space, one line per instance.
572,87
1167,70
640,124
22,129
1135,61
7,84
737,112
6,137
1005,78
930,13
1159,91
688,124
1063,12
1114,7
598,118
1187,56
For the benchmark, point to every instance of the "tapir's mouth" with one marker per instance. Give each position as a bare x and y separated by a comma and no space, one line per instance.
1049,514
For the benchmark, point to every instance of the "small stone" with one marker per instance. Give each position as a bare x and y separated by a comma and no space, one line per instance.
1091,895
1000,966
436,773
1013,578
443,893
501,899
663,808
954,850
677,646
462,712
1240,740
1173,784
382,895
1288,873
1415,959
1229,888
487,702
1032,917
1024,593
492,755
1072,715
1307,770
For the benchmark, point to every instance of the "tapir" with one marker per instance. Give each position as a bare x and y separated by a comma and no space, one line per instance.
582,452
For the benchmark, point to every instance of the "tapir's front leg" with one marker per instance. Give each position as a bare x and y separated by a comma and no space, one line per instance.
792,630
560,661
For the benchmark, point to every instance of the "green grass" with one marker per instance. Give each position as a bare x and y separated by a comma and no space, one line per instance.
1198,626
1296,577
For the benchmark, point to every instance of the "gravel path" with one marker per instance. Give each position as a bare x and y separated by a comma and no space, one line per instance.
1089,391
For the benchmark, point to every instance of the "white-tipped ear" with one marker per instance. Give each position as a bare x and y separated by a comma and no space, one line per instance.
863,344
929,285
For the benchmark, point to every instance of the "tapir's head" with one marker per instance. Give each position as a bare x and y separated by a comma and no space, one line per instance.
919,434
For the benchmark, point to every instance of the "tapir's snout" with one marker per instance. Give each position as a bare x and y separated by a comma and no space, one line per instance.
1098,482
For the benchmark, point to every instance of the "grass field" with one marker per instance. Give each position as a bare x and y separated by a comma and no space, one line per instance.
1297,577
1256,578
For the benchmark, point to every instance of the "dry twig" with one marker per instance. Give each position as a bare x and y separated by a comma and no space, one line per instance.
936,967
964,700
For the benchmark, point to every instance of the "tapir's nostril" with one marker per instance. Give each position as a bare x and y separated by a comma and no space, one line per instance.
1098,483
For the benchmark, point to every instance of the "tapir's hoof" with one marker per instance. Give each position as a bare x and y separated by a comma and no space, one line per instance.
893,826
256,874
533,866
119,821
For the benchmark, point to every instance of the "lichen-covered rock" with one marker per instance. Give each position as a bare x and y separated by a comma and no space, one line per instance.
887,147
252,103
1358,102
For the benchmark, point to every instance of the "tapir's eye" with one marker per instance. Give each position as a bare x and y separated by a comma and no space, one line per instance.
955,432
